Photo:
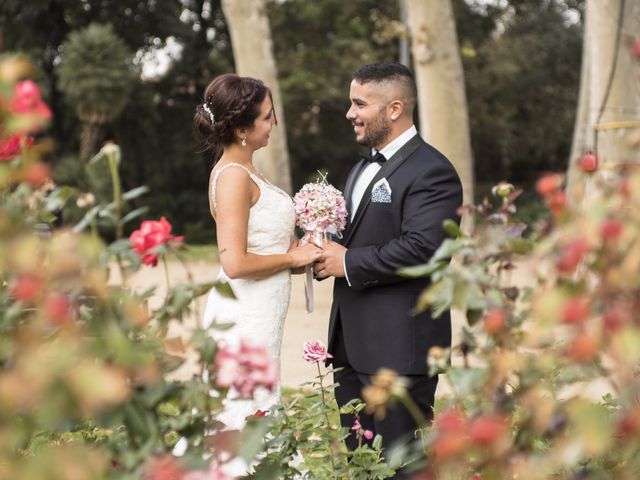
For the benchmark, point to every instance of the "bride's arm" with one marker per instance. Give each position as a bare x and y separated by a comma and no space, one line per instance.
234,195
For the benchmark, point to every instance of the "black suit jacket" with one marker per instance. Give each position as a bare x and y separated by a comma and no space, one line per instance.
378,327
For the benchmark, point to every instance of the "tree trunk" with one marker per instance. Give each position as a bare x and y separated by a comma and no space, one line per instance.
90,137
253,53
442,102
609,89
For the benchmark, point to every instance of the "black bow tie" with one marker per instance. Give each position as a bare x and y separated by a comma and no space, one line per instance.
377,158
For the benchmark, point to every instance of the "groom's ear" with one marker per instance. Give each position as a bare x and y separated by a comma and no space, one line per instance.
395,109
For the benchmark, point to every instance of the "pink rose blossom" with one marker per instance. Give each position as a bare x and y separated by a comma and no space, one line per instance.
356,425
11,146
27,99
315,352
245,368
151,234
368,434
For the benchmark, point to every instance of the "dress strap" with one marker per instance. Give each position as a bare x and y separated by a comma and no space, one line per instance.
214,181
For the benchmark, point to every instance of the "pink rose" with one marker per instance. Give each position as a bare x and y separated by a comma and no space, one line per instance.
27,99
315,352
11,146
245,368
151,234
368,434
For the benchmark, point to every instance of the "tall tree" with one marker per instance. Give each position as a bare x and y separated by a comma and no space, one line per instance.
442,102
609,89
253,52
96,77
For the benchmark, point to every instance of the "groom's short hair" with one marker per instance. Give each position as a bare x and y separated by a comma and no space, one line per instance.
391,74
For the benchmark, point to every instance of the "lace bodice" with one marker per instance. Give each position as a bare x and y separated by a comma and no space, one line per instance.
271,219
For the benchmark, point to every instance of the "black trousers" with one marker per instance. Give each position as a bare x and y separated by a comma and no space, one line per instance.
398,424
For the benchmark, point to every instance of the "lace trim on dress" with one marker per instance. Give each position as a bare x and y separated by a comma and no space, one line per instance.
214,182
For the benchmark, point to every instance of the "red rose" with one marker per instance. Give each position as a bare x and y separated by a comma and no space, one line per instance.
610,229
494,321
10,147
487,429
583,347
575,311
549,184
450,421
588,162
57,308
25,288
557,202
36,174
615,318
449,445
151,234
571,256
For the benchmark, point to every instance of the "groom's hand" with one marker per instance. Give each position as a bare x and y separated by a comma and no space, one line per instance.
331,263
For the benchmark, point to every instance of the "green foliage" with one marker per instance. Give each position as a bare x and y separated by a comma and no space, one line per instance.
522,87
96,75
318,45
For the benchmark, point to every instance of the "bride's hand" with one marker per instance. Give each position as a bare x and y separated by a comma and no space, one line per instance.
302,255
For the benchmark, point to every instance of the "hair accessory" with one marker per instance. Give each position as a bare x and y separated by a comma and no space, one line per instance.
206,108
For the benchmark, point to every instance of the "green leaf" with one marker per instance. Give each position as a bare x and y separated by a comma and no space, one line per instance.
86,220
224,289
419,271
520,246
452,228
133,214
135,192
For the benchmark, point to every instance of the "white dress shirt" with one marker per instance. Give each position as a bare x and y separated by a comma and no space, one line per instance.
370,171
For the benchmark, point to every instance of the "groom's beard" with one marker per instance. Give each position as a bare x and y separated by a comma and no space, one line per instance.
376,132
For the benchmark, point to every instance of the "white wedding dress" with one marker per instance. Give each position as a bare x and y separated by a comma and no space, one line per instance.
260,306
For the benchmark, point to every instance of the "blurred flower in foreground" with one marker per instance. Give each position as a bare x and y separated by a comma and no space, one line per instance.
245,368
385,385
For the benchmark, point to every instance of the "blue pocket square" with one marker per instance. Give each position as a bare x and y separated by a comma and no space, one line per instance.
381,192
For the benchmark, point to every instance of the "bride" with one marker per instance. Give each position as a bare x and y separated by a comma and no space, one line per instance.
255,228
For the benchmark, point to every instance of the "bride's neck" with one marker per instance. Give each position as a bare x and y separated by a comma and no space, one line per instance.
237,154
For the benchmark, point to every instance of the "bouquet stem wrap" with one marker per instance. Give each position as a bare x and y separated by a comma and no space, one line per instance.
320,210
317,237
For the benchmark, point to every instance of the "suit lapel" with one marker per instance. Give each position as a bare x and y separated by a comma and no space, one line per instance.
387,169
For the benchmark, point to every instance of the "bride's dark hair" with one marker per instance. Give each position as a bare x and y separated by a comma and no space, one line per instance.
230,102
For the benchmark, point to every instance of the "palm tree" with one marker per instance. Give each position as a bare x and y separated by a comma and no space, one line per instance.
96,78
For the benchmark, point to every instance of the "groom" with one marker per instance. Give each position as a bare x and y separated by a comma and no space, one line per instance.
397,200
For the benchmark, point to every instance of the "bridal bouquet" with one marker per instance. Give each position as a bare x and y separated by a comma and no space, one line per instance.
320,210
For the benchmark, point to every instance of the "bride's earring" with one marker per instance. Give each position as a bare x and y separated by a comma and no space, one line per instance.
244,142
